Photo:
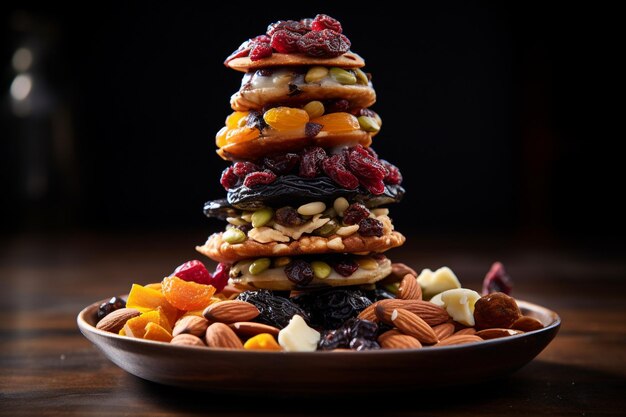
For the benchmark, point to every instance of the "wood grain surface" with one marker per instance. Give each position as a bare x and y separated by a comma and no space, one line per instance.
47,368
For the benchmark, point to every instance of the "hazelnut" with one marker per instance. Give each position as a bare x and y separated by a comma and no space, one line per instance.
496,310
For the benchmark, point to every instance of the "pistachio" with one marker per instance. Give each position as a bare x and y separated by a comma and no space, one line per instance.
361,77
316,74
261,217
314,109
342,76
321,270
233,236
281,261
368,124
326,230
312,209
259,266
340,205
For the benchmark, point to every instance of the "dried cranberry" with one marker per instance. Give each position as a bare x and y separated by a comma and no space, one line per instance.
281,164
289,25
311,161
285,41
345,267
362,164
497,280
334,168
312,129
393,173
255,119
262,39
373,185
299,272
288,217
324,44
193,271
336,106
307,23
355,213
323,21
243,50
241,169
228,178
260,51
372,152
260,177
370,227
220,276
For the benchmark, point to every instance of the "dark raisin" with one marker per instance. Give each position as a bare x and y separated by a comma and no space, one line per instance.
355,213
311,161
324,44
241,169
281,164
370,227
333,339
497,280
228,178
255,119
345,266
260,51
259,177
323,21
264,72
274,309
293,90
359,343
361,328
393,173
312,129
288,217
244,227
335,169
331,308
290,25
336,106
106,308
367,112
300,272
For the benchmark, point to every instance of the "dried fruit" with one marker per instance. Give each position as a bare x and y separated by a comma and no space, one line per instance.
323,21
220,276
285,118
335,169
282,164
337,122
496,310
242,134
241,169
497,280
288,217
106,308
314,109
233,120
262,341
393,173
312,129
260,177
370,227
146,299
311,161
194,271
228,178
299,272
324,44
290,25
255,120
355,213
186,295
260,51
273,309
345,266
285,41
337,106
331,308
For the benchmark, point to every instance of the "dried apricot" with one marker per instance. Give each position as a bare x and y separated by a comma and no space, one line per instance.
147,299
337,122
233,120
220,137
136,327
157,332
187,295
262,341
286,118
242,134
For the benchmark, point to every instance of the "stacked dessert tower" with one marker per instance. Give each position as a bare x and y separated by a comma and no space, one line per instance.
306,194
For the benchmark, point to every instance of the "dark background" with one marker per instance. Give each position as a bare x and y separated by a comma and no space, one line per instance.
496,114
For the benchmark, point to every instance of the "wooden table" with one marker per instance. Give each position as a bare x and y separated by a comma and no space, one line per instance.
47,368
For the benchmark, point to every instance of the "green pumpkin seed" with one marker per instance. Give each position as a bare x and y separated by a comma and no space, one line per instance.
361,77
368,124
314,109
342,76
262,217
321,270
259,266
326,230
233,236
316,74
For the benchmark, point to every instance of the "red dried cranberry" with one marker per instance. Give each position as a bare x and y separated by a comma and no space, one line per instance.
281,164
323,21
336,106
372,152
260,51
393,173
262,39
243,50
311,161
260,177
289,25
285,41
194,271
229,179
336,171
241,169
288,217
372,185
363,165
324,44
307,23
497,280
220,276
345,267
312,129
299,272
355,213
370,227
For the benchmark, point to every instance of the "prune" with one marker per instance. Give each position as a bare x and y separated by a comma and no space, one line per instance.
288,217
300,272
106,308
355,213
281,164
370,227
333,339
379,294
274,309
359,343
330,308
311,161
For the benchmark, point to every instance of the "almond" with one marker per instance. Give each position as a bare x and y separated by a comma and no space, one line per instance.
459,339
230,311
496,333
413,325
221,336
427,311
466,331
409,288
187,339
444,330
250,328
399,270
394,339
527,324
194,325
368,313
113,322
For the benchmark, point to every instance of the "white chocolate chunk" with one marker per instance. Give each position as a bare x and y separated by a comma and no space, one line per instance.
433,283
437,300
266,235
296,232
297,336
459,303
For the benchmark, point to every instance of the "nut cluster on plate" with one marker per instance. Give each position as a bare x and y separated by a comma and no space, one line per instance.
301,261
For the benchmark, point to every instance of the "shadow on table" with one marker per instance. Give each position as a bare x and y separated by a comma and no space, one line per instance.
540,388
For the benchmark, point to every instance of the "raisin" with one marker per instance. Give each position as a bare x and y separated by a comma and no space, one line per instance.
345,266
324,44
288,217
110,306
359,343
259,177
228,178
370,227
255,120
274,309
285,41
393,173
331,308
260,51
264,72
323,21
311,160
294,90
336,106
333,339
289,25
335,169
497,280
361,328
281,164
300,272
241,169
355,213
363,164
312,129
244,227
373,185
367,112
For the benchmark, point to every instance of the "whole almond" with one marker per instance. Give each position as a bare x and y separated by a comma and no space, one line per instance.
457,339
250,328
444,330
468,331
221,336
368,313
413,325
527,324
427,311
113,322
187,339
230,311
487,334
399,341
194,325
399,270
409,288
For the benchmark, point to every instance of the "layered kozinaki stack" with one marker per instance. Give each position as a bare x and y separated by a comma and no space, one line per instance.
306,193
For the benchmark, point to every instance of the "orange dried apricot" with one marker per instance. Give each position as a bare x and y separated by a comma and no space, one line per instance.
147,299
187,295
136,327
154,286
242,134
220,137
233,120
285,118
337,122
262,341
157,332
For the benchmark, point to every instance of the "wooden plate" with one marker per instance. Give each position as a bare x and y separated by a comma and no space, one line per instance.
321,372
